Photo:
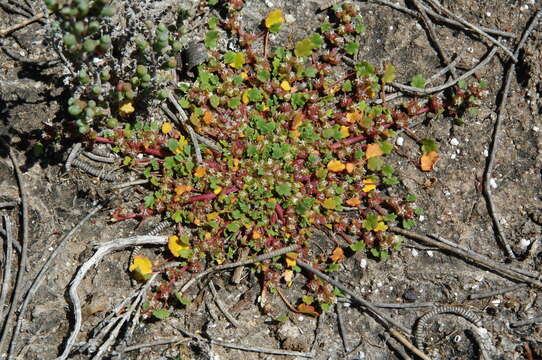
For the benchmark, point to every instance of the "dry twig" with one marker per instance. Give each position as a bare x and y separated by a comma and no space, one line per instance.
443,19
262,257
432,34
19,281
184,122
221,305
22,24
496,292
6,278
41,276
427,91
536,319
496,135
101,251
502,269
244,348
474,28
383,317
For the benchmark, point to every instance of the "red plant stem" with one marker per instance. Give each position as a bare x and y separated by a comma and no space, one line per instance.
341,79
202,197
100,139
346,238
423,110
230,190
266,45
280,212
348,141
142,215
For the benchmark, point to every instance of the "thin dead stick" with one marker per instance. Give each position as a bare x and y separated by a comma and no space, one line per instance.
537,319
450,83
113,336
503,270
8,204
244,348
342,328
532,274
20,280
495,140
433,35
38,280
390,323
175,339
101,251
129,183
447,68
21,25
443,19
386,319
221,305
474,28
208,142
262,257
496,292
187,126
393,305
6,278
395,346
408,344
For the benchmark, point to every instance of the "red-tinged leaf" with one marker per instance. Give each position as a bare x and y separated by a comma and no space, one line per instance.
307,309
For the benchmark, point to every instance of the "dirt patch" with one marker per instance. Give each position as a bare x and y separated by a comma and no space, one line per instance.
33,95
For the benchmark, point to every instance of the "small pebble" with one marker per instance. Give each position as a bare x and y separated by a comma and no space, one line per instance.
486,153
493,183
363,263
430,253
488,14
290,19
536,128
452,156
524,243
454,142
400,141
414,252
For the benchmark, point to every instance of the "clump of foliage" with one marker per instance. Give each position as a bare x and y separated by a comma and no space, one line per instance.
302,148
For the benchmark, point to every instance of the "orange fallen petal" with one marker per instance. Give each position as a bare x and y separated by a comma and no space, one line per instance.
373,150
427,161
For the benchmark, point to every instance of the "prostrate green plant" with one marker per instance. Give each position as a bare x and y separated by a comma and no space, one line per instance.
302,148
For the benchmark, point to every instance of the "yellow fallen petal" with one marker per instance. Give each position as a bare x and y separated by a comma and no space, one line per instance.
244,97
349,168
355,201
207,117
126,108
373,150
336,166
166,127
370,185
285,85
141,267
345,132
200,172
291,258
256,235
274,17
217,190
381,227
213,216
181,189
244,75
